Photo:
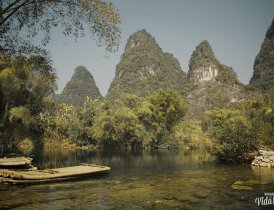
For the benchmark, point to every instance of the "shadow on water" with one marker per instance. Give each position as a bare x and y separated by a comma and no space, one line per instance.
140,179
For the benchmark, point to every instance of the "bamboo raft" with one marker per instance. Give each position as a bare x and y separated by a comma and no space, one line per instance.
50,175
15,162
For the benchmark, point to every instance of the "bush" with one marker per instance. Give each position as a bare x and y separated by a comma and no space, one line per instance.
234,139
118,126
189,134
160,113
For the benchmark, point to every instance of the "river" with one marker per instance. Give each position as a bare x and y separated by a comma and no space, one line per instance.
143,180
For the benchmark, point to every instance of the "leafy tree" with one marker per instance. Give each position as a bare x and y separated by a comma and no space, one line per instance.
238,133
119,126
72,16
87,114
130,101
160,113
260,113
69,124
233,135
189,134
25,87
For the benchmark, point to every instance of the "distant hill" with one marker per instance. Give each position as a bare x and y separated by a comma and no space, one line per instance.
144,68
80,86
263,75
214,85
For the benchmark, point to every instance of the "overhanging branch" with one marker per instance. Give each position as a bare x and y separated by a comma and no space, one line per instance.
8,7
14,11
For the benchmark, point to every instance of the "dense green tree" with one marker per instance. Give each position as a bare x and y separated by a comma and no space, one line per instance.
96,123
232,134
74,17
260,113
25,86
118,125
68,124
189,134
238,133
86,115
130,101
160,112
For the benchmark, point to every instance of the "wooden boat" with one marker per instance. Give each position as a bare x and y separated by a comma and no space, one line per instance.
15,162
51,175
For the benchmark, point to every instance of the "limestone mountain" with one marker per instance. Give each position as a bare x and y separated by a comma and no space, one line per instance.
144,68
213,84
263,75
81,85
203,65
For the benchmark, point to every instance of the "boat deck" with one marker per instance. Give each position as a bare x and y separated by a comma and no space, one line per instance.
49,175
15,162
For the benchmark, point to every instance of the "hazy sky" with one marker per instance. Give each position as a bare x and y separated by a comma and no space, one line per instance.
234,28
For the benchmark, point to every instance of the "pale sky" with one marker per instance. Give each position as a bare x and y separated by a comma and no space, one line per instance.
234,28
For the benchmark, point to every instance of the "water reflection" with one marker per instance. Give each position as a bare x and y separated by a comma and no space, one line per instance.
141,180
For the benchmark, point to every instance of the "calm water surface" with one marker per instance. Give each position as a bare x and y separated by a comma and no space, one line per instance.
143,180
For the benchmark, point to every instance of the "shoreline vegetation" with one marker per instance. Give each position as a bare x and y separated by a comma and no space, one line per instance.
162,119
159,121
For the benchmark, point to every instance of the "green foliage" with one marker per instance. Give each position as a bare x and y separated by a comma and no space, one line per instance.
232,134
130,101
189,134
66,123
139,122
239,133
167,108
74,17
119,126
160,113
260,113
23,114
25,85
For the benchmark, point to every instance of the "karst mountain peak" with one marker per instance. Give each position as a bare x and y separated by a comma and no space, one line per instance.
203,65
263,74
80,86
144,68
